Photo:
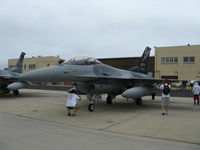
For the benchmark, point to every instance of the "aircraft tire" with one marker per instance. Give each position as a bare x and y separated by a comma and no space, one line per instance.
16,92
153,96
138,101
91,107
109,99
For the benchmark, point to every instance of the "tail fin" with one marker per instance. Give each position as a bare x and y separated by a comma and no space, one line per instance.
19,65
142,67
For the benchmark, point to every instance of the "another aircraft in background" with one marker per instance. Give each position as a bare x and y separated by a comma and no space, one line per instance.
8,78
93,78
194,81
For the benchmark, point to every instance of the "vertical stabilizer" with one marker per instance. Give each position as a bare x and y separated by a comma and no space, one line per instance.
142,67
19,65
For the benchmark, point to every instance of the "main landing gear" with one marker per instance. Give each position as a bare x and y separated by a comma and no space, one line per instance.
153,96
138,101
109,99
94,98
91,107
16,92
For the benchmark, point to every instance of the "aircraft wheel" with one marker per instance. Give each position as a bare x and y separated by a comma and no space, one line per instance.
138,101
91,107
109,99
16,92
153,96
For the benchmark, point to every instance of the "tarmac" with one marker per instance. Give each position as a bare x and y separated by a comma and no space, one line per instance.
37,119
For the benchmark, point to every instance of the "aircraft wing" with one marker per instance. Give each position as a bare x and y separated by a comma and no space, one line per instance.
7,76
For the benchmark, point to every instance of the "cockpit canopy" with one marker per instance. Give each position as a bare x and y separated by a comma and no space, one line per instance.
82,60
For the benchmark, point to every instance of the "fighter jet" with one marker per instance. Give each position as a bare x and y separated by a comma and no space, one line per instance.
93,78
8,78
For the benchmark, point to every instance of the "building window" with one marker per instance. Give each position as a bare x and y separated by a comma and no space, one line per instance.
169,77
32,66
10,66
24,67
188,59
169,59
162,60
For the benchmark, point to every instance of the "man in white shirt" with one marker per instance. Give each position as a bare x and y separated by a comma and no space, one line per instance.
165,87
196,92
71,103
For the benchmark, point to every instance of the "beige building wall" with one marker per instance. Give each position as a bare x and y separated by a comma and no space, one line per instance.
182,62
33,63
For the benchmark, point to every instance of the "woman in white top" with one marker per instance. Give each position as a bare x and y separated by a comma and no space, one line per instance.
71,103
196,92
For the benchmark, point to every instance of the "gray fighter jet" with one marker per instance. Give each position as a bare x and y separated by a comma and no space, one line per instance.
93,78
8,78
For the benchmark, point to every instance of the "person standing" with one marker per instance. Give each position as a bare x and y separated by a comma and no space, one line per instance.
196,92
165,98
71,103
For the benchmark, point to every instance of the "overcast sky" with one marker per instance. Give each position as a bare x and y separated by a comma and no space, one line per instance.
97,28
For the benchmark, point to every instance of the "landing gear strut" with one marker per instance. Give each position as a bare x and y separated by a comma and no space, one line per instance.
92,99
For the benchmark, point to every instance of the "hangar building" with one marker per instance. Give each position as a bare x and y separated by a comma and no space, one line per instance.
128,62
178,62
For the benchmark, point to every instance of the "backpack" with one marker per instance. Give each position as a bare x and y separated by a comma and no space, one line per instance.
166,89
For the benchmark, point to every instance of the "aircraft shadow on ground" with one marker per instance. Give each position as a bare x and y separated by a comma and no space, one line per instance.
11,96
118,105
147,105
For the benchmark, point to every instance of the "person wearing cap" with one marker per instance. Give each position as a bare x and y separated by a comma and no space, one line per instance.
165,98
71,103
196,91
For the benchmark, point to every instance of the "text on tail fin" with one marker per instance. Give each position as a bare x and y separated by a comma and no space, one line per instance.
142,67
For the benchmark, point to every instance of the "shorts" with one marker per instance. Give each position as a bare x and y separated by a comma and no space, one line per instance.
70,107
196,97
165,101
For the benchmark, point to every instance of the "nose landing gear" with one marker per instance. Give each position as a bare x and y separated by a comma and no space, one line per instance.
91,107
92,99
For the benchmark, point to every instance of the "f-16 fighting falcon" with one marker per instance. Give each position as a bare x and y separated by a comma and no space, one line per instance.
8,78
93,78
